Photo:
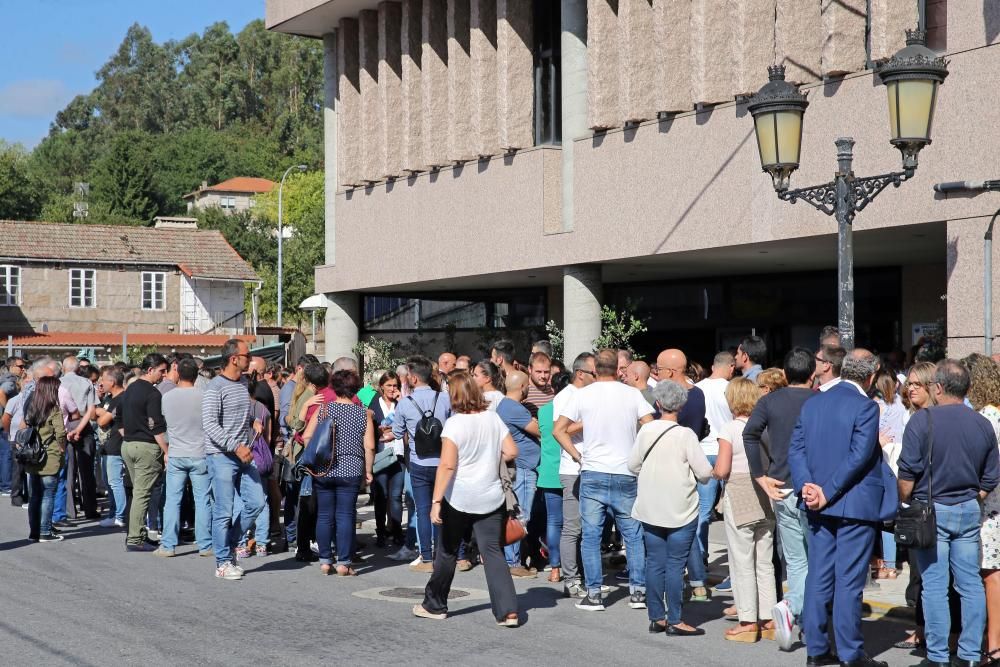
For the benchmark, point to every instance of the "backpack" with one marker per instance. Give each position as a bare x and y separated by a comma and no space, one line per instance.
427,434
29,450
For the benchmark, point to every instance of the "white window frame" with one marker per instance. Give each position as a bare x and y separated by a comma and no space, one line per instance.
158,298
227,202
83,276
10,273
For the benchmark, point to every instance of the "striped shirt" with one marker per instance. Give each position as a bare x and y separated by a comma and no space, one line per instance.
225,415
537,397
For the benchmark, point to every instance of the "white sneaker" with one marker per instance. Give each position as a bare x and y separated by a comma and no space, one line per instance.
153,535
228,571
784,624
417,561
237,567
107,523
119,523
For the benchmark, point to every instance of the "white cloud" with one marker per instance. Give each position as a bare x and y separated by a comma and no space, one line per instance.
34,98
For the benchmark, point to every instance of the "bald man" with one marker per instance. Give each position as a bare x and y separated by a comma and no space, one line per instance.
524,429
672,365
463,363
446,363
637,375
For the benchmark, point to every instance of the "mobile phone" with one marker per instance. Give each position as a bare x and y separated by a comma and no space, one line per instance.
785,492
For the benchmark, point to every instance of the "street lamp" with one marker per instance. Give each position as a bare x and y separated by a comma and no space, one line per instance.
911,77
281,233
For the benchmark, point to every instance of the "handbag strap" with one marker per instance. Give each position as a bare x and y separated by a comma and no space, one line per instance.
650,450
930,458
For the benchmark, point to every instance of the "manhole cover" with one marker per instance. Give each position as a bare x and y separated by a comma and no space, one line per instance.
418,593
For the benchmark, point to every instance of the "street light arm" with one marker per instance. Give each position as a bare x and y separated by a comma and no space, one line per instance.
862,190
867,188
821,197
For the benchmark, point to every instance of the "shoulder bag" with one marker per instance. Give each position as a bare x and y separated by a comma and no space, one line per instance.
916,524
514,529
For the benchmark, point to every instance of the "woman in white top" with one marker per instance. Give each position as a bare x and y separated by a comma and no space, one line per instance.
467,496
669,462
749,522
387,492
490,381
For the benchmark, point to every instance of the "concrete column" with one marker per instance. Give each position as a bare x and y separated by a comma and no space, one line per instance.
459,83
603,44
515,74
331,78
483,51
637,73
434,77
573,47
343,312
582,296
752,43
798,36
671,21
966,281
371,114
390,90
844,26
889,21
711,52
411,53
349,107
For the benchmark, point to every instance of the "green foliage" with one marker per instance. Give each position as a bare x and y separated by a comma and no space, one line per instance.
377,354
123,181
135,355
20,190
618,328
556,337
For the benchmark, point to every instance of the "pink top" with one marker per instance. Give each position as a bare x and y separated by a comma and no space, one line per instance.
66,404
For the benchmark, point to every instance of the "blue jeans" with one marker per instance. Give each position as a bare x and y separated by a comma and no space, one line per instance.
553,524
600,491
411,539
59,500
114,469
6,464
889,549
666,551
336,513
422,480
389,508
524,488
40,506
957,551
792,530
261,524
707,495
229,477
179,470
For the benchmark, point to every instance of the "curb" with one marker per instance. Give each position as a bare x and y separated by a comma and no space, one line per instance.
875,611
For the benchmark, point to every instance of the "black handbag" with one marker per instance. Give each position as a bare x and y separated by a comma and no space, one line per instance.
916,524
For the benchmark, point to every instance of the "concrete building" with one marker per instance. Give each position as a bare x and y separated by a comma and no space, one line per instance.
98,279
534,160
235,194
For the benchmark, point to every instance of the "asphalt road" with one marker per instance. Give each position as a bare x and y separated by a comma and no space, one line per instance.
84,601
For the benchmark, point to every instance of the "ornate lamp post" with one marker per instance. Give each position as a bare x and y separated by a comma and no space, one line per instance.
911,77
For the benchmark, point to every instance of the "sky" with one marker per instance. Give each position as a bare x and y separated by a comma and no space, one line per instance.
52,48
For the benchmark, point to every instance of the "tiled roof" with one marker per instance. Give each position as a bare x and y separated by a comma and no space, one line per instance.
59,339
198,253
238,184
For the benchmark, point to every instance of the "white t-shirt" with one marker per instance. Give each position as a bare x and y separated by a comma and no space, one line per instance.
493,398
610,413
716,412
733,432
476,488
567,466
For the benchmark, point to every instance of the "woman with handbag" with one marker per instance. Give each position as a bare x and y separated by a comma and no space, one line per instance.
387,492
749,520
670,463
43,414
263,460
468,495
337,484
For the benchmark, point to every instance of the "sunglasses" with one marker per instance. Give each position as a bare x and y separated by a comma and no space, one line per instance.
588,372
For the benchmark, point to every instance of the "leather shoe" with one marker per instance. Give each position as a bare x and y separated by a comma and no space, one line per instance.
864,661
822,660
958,662
656,628
674,631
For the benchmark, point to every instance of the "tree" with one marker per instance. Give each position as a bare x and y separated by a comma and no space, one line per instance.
618,328
123,181
20,190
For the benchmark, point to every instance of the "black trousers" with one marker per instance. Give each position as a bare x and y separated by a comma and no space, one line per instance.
488,529
84,451
18,482
305,522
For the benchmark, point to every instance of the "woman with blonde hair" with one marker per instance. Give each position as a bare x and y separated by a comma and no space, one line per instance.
749,521
771,379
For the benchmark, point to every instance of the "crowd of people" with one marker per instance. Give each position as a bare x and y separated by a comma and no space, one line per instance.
808,464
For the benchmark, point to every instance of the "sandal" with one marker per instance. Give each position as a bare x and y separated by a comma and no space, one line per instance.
344,571
748,633
731,613
325,570
910,643
767,629
886,573
555,576
991,657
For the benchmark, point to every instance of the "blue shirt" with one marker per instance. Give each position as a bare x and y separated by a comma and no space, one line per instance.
408,415
516,417
752,372
285,407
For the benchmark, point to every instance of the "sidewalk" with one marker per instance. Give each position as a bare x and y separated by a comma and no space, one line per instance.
885,598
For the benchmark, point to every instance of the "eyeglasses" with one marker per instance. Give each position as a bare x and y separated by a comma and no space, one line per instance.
591,373
909,385
18,365
821,360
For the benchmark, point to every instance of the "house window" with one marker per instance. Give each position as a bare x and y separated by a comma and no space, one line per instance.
934,21
10,285
153,290
227,202
82,288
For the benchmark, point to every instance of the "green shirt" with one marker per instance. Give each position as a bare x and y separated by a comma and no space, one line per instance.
548,469
366,394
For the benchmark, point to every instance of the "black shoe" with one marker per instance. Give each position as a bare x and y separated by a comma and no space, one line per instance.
637,600
621,575
94,516
590,604
50,538
958,662
144,547
62,523
674,631
380,541
307,557
55,531
867,661
656,628
279,548
821,660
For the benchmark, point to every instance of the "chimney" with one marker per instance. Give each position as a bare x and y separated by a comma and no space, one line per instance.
204,185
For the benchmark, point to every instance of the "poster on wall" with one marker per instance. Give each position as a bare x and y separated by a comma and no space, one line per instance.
925,330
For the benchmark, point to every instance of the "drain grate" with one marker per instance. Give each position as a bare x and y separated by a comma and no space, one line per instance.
418,593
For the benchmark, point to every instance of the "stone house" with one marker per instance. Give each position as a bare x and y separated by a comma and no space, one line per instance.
235,194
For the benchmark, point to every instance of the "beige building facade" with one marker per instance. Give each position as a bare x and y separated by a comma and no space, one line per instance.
547,158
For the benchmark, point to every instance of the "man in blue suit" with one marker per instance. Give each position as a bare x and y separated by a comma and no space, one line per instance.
838,472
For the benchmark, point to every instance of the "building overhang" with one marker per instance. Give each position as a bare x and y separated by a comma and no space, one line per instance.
311,18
